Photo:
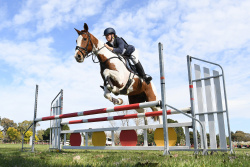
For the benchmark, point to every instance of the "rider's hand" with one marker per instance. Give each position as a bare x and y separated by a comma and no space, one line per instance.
110,48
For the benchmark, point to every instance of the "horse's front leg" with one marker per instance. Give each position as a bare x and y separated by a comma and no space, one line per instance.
107,95
116,76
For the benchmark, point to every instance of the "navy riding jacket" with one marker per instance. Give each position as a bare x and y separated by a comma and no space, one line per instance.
120,46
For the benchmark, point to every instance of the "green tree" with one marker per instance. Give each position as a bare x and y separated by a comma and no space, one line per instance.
23,126
13,134
27,136
140,137
6,123
179,131
208,139
218,140
247,135
192,137
40,134
65,127
46,135
1,135
239,136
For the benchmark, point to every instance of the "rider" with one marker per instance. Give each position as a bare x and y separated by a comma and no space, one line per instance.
119,46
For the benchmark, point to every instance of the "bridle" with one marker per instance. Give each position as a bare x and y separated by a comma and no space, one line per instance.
86,48
87,53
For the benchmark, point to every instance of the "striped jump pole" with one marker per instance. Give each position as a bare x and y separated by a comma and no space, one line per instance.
101,111
128,116
163,98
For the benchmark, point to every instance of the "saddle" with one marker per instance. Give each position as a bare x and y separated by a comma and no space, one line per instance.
130,65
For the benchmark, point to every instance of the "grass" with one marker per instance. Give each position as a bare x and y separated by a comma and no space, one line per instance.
10,155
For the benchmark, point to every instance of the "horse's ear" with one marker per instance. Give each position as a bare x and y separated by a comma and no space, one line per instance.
79,32
86,28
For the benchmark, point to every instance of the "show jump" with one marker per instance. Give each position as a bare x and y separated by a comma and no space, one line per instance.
208,111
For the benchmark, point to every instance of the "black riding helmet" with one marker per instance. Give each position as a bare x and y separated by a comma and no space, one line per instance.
109,31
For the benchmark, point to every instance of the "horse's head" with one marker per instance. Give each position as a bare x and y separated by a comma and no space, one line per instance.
84,44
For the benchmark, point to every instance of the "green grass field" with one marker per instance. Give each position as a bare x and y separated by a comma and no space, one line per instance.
11,155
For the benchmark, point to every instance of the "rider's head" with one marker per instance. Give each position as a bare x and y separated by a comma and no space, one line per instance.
110,34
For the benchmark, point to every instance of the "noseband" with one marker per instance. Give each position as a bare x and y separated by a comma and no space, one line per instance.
86,48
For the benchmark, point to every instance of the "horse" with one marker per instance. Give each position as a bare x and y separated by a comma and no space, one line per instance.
118,79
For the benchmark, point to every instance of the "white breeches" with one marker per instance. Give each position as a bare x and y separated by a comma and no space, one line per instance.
135,57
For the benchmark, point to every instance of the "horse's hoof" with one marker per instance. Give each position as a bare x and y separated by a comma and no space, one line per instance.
109,88
115,101
120,101
150,131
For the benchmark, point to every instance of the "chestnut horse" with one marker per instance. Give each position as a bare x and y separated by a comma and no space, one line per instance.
116,76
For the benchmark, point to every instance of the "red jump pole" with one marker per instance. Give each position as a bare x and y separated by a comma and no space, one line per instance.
101,111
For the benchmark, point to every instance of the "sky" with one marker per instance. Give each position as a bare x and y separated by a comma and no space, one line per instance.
37,46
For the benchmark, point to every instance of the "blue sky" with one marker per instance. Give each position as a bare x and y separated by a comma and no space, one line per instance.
37,41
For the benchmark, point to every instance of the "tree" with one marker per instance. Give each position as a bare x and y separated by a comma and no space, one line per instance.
13,134
65,127
1,135
208,139
27,136
192,137
140,137
179,131
46,135
6,123
23,126
239,136
40,134
247,135
218,140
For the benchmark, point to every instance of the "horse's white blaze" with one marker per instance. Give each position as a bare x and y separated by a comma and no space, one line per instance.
78,43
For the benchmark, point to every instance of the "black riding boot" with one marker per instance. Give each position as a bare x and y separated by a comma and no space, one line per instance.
142,74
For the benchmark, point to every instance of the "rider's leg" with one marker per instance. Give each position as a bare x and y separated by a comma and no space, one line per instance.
141,73
139,67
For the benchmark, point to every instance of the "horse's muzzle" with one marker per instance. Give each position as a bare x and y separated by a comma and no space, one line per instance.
79,58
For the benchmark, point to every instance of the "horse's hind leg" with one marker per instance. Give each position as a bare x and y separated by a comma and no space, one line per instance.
159,118
140,98
142,110
151,96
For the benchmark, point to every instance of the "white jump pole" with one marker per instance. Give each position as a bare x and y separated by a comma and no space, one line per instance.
163,98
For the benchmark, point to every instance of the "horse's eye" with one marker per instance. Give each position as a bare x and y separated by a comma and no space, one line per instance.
85,39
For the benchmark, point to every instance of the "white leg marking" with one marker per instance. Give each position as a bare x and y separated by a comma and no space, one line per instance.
107,94
142,110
